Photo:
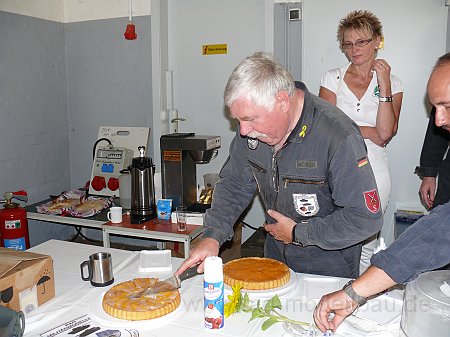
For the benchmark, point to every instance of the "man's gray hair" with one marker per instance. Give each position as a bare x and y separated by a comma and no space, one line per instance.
258,78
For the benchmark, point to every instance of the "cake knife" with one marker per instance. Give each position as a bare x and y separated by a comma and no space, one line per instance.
172,283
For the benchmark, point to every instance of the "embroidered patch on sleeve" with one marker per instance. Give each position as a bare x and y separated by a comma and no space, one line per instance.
372,200
363,161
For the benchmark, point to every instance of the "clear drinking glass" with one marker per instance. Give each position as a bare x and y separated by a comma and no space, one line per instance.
181,218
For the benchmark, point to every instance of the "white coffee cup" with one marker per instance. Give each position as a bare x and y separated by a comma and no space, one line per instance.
115,214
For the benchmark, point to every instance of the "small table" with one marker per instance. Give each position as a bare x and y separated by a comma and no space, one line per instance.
155,229
163,230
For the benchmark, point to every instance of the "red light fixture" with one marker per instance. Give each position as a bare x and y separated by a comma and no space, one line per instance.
130,31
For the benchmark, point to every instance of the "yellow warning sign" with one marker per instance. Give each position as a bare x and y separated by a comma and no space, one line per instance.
210,49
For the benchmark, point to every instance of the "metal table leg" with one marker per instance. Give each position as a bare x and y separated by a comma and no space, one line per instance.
106,242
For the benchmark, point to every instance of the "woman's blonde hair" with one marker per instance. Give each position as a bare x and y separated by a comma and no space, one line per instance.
362,21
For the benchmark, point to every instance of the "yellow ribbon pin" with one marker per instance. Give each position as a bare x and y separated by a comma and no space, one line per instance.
303,133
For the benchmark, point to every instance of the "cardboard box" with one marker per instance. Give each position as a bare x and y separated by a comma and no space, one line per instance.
26,279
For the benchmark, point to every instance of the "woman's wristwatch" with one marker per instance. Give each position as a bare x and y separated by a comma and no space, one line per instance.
386,98
350,292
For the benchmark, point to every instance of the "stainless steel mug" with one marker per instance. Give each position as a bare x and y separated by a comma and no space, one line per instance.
12,323
99,268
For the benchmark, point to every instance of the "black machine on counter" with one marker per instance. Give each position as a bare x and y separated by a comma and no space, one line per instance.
180,153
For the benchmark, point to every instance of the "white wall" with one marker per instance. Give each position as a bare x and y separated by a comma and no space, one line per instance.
73,11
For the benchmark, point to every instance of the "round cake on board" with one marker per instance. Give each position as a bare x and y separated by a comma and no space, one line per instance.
256,273
117,302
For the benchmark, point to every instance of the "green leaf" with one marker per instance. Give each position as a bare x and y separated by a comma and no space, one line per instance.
273,303
268,323
257,313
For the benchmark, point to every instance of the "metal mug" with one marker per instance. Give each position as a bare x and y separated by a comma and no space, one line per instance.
100,269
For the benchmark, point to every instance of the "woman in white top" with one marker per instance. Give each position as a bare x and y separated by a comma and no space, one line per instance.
367,92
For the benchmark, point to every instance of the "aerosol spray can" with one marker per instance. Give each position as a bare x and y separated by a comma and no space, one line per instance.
213,292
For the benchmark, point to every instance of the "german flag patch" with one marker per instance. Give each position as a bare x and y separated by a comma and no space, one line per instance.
363,161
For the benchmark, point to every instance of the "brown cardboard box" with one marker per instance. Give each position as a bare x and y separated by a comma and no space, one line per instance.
26,279
230,250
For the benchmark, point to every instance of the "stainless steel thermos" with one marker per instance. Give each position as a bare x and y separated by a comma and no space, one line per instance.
143,206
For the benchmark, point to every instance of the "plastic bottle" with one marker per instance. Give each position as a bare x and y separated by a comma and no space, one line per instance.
213,292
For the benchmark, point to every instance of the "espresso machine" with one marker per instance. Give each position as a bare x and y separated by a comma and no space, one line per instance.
180,153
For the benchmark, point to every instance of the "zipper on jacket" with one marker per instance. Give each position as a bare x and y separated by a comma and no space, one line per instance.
275,174
258,167
287,181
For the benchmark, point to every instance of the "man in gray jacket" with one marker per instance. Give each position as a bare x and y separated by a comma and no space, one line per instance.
422,247
309,163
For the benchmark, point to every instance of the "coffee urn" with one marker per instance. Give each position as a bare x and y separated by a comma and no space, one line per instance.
143,206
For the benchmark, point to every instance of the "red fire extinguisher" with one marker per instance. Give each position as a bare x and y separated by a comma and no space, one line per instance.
13,222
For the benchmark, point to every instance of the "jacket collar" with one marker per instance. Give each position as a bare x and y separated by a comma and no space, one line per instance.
304,124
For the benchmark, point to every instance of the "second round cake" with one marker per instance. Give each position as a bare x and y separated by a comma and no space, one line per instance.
256,273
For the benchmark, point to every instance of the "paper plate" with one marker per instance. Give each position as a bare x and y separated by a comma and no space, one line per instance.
103,318
267,294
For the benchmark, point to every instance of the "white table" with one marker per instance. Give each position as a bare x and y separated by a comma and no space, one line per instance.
75,298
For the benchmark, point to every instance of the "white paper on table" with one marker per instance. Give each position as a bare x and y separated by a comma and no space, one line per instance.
84,326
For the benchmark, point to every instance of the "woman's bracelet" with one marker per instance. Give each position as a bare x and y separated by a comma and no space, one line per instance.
386,99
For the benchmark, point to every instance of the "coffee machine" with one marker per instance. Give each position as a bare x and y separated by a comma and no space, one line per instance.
180,153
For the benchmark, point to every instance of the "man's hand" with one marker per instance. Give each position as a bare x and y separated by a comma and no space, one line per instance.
282,229
427,191
206,247
337,303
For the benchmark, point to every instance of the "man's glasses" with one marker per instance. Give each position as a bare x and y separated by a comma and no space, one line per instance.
359,43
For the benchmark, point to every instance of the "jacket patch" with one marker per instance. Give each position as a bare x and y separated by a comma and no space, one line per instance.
372,200
306,164
306,204
252,143
363,161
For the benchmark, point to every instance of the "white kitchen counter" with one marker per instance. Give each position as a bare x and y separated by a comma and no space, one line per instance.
77,301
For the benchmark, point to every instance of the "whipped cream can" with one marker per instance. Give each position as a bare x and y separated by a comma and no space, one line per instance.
213,292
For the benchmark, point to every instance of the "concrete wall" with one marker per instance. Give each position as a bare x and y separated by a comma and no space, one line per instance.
58,84
109,83
34,137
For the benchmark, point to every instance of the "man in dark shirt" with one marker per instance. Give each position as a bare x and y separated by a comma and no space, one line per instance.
307,160
433,163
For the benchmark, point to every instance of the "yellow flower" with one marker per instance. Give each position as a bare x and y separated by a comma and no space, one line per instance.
235,299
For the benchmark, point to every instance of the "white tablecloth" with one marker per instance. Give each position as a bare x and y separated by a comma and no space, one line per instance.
78,301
